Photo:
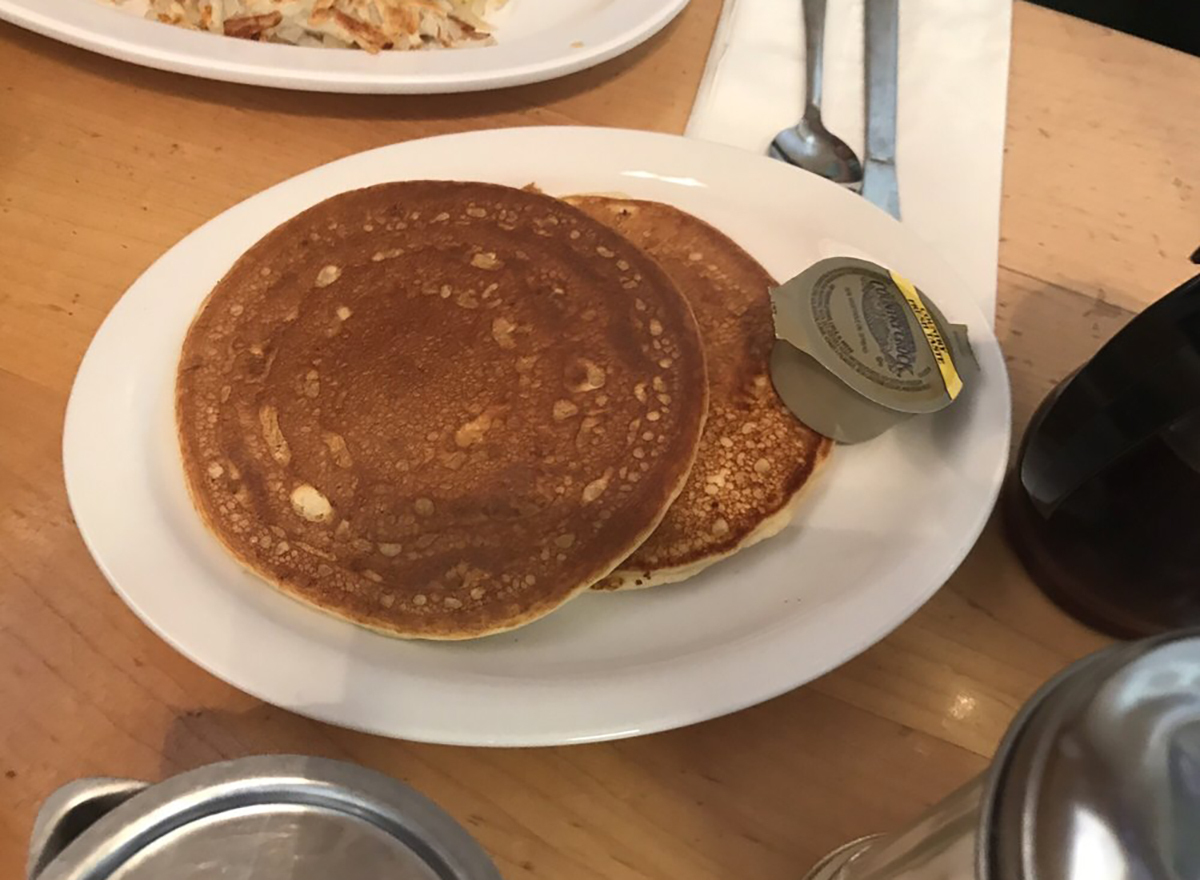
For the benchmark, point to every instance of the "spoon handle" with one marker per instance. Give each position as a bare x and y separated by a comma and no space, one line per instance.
814,54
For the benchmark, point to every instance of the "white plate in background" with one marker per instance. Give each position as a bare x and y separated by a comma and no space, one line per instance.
887,524
535,40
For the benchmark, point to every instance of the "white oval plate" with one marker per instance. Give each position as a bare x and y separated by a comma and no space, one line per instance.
535,40
887,524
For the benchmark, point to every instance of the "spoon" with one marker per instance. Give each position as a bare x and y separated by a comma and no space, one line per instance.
808,144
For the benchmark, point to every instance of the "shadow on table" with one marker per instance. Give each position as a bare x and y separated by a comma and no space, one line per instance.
761,793
338,106
201,736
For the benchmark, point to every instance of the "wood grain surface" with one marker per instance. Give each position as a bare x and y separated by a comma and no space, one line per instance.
104,165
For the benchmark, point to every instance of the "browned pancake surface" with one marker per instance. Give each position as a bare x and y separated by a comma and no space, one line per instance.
754,456
439,409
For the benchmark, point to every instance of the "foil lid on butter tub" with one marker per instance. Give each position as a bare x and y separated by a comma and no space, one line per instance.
860,349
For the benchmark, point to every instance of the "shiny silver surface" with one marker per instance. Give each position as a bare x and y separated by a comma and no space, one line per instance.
1104,782
882,30
264,818
808,144
70,811
1098,778
274,841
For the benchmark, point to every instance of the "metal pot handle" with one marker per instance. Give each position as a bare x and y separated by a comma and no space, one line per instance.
70,811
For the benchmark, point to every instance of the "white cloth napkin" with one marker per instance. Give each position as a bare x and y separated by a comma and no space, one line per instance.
952,92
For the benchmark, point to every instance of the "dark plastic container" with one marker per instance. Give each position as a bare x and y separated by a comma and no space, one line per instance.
1103,505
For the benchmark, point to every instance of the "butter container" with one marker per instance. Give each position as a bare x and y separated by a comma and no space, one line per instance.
859,349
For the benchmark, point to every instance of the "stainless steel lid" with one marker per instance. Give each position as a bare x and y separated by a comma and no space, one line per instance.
263,818
1099,779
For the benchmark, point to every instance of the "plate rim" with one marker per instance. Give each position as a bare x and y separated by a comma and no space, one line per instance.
865,638
150,44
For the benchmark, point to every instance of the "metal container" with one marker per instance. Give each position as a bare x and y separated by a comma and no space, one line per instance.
1098,778
266,818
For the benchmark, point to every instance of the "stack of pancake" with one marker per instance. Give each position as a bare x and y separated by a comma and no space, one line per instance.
441,410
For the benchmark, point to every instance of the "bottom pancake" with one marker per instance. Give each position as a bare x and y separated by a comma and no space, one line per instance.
755,459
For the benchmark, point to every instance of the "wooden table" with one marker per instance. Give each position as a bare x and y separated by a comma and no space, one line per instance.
104,165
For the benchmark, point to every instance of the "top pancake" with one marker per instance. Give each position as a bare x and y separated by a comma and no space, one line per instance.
754,457
422,406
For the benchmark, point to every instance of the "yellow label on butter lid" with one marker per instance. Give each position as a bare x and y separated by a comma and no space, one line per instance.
933,336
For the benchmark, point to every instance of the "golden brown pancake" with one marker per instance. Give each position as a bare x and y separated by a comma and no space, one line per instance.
755,457
422,407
